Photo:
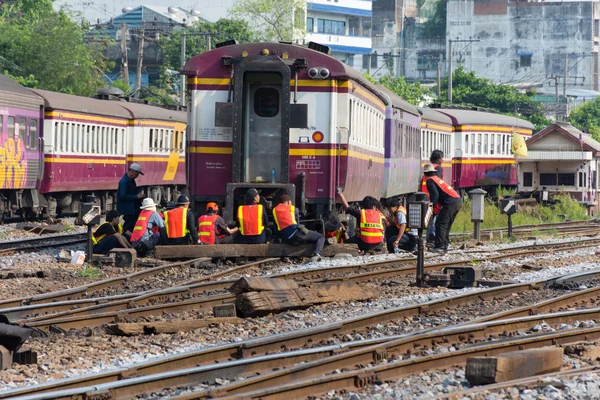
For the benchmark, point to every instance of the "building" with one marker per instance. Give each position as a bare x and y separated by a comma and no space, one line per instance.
561,159
343,25
156,21
527,41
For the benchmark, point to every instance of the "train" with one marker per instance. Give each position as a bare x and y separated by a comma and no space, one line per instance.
284,117
56,149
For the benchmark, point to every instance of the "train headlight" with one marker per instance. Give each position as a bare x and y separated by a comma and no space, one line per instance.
324,73
313,73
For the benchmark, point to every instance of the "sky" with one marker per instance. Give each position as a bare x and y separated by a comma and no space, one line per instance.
106,9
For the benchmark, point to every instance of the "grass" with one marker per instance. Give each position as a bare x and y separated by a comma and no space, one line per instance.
529,216
505,192
89,271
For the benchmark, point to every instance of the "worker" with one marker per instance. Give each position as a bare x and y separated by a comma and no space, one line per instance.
170,205
335,231
252,220
109,235
436,159
290,231
128,197
212,228
148,230
446,205
180,223
369,235
397,235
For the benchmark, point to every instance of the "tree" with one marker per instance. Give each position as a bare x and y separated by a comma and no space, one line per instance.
586,117
414,93
282,20
38,41
435,27
471,90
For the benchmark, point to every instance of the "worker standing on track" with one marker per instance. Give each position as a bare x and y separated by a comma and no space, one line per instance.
180,223
436,158
109,235
446,205
252,221
128,198
290,231
369,235
212,228
397,235
148,229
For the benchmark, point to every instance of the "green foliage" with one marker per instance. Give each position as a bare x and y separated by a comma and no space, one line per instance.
468,89
119,84
282,20
89,271
530,216
505,192
587,118
414,93
435,27
27,81
36,41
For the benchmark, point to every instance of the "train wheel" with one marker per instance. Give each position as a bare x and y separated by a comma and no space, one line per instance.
156,195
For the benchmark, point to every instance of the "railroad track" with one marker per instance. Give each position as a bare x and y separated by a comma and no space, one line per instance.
41,313
41,242
307,378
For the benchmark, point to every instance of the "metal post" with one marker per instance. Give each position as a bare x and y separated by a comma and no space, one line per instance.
420,258
477,230
90,245
208,42
450,73
140,59
182,82
565,80
509,225
439,81
124,64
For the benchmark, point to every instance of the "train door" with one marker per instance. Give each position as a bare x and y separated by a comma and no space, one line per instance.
263,138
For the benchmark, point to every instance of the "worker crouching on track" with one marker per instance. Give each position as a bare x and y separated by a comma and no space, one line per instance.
446,205
290,231
180,223
252,221
369,235
397,235
212,228
335,231
148,229
109,235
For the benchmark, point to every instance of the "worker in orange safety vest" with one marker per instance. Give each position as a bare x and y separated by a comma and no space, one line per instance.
371,223
148,230
252,220
180,223
436,159
212,228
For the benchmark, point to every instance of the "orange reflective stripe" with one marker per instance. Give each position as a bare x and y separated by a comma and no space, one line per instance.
446,188
284,215
371,228
250,219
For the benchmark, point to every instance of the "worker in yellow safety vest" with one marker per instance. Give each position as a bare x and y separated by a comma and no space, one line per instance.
109,235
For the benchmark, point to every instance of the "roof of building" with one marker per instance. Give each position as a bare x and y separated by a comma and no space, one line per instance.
158,17
571,133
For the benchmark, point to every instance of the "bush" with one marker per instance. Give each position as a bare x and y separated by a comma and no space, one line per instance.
505,192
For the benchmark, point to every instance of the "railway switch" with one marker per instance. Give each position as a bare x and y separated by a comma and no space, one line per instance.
477,211
89,215
124,258
456,277
419,214
508,206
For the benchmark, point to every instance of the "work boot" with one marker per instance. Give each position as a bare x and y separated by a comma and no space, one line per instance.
315,258
438,250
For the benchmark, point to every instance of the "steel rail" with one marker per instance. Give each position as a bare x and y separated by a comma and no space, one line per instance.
256,346
42,242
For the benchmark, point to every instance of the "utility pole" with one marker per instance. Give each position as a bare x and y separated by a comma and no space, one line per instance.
124,65
450,73
450,63
439,81
138,76
182,82
565,78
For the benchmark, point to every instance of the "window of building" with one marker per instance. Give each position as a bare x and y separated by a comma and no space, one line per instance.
548,179
528,179
597,27
11,127
365,60
331,27
374,60
566,179
266,102
310,22
525,61
350,60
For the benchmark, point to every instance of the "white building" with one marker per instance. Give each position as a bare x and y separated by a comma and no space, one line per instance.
343,25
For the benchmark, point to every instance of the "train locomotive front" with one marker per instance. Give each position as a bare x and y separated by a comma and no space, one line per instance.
282,117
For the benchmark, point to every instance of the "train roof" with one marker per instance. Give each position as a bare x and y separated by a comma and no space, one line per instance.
144,111
210,65
428,114
398,102
470,117
87,105
14,95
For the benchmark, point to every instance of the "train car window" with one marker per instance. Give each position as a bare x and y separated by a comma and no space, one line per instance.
492,143
78,138
485,143
150,139
23,129
87,139
1,124
94,139
32,133
55,136
266,102
63,136
472,143
11,127
479,144
499,146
